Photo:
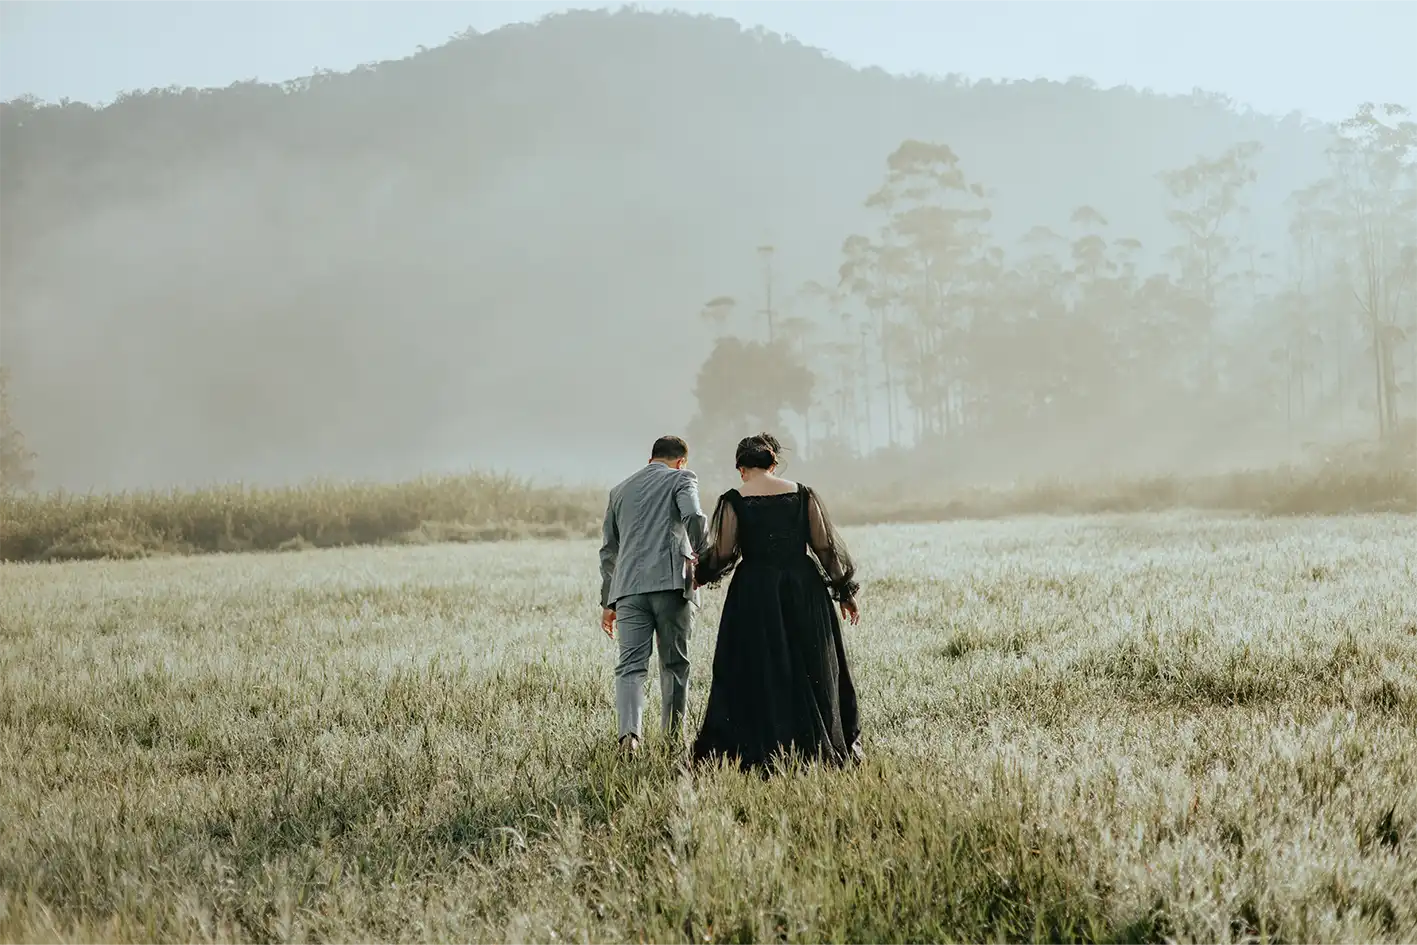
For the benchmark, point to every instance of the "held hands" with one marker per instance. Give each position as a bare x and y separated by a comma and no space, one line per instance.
850,611
607,622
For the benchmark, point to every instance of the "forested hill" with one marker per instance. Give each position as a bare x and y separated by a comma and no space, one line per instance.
494,252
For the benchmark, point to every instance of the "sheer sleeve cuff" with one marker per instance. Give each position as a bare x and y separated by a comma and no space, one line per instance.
844,591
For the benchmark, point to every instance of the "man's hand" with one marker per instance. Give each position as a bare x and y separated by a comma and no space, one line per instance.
851,612
607,621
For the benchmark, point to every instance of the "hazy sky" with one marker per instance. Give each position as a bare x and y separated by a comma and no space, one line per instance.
1322,58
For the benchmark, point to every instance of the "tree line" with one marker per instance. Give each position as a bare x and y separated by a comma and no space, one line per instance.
932,334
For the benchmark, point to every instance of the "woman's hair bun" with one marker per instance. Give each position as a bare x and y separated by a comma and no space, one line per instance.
761,451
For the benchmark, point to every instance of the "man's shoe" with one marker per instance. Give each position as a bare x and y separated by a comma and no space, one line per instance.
630,744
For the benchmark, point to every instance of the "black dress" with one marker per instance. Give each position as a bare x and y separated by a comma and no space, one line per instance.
780,680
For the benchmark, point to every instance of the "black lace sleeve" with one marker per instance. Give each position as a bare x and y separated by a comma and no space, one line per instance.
723,553
835,561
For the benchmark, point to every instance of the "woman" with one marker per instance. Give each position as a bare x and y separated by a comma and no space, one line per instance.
780,680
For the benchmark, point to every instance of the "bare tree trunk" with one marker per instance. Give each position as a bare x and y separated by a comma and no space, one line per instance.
1379,381
1390,384
866,390
1303,395
883,335
1289,408
1340,352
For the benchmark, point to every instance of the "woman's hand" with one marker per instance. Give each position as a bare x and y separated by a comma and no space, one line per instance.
850,611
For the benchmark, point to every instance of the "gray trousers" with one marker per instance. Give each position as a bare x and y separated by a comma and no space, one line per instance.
640,618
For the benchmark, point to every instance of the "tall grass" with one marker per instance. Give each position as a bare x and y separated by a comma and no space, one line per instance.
1286,491
476,508
318,514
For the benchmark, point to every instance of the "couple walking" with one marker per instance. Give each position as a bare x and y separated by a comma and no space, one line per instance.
780,679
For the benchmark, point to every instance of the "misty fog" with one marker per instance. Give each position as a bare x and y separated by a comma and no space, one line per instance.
496,255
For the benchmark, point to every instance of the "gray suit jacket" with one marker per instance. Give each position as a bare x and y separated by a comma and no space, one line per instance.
653,524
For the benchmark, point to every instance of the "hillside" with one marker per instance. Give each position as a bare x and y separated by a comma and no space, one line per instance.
493,253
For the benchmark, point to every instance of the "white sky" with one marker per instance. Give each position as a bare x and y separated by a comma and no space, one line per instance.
1321,58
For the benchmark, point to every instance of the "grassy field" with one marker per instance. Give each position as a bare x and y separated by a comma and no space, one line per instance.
1128,728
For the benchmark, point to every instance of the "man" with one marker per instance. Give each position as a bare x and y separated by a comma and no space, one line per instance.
654,531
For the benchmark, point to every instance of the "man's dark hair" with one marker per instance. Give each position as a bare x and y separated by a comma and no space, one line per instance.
670,448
